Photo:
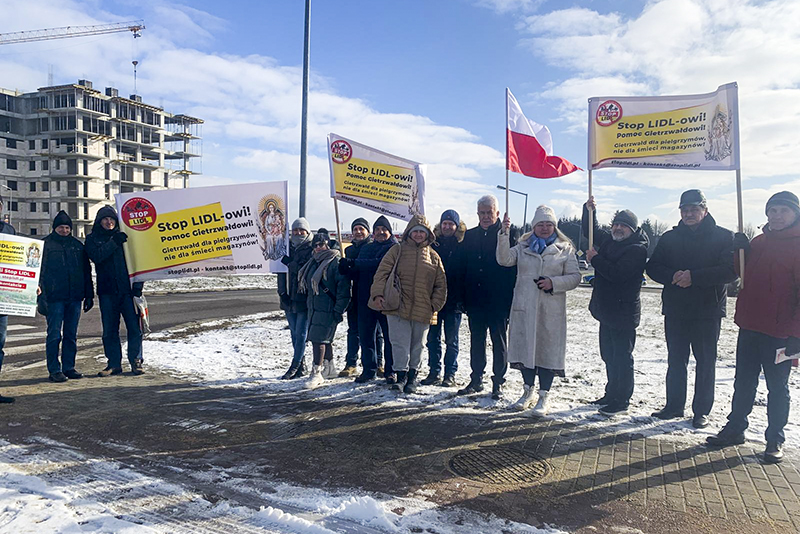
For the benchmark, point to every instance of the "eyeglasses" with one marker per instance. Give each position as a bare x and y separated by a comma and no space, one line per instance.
320,245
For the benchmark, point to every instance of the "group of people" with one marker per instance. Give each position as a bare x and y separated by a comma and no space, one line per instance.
66,288
401,294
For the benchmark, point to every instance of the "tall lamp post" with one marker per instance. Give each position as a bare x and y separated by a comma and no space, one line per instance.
10,200
304,112
525,216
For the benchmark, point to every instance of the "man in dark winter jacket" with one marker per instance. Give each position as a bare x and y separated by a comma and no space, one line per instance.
361,236
5,228
449,234
694,262
365,265
619,261
292,301
768,316
115,292
64,281
487,290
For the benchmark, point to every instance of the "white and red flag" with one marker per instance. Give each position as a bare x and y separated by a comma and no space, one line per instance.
529,146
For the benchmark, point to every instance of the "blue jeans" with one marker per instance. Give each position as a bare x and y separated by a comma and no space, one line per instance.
66,315
452,322
353,343
111,307
298,326
369,322
754,352
3,328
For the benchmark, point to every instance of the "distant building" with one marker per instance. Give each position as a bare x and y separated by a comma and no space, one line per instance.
72,147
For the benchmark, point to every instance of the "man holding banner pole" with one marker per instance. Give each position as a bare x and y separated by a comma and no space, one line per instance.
694,262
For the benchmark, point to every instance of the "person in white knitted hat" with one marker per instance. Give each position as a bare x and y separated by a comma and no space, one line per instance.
546,269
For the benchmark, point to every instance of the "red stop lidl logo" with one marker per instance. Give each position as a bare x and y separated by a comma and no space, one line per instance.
138,214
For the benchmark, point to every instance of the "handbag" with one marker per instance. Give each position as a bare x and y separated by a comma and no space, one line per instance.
392,291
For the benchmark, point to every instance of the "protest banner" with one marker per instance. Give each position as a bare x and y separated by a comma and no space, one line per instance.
699,132
375,180
205,231
20,262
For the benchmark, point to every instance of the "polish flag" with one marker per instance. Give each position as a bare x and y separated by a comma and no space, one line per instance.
529,148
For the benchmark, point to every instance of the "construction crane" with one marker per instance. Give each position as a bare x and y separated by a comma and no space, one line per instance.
67,32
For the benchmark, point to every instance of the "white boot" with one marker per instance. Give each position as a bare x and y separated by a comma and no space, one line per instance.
327,369
315,378
526,400
541,406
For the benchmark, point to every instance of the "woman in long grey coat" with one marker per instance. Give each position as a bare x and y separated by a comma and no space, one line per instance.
328,296
546,270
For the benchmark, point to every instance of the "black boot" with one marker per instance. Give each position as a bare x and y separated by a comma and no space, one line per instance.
301,370
290,373
431,380
411,382
401,381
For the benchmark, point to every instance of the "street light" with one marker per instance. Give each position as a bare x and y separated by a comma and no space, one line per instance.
525,216
10,200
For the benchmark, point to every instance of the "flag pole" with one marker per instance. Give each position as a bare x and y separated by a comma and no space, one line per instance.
741,224
338,224
523,222
591,214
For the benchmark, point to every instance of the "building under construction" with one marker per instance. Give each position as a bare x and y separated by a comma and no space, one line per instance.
72,147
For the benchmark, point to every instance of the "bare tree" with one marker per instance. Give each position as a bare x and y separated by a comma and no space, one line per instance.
749,231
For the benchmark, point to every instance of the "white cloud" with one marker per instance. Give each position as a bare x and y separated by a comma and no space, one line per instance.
507,6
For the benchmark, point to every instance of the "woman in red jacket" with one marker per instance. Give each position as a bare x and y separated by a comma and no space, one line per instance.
768,316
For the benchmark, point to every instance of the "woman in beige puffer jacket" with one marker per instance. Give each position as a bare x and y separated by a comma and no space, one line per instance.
423,292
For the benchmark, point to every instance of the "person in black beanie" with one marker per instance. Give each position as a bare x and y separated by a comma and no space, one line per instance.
64,281
115,292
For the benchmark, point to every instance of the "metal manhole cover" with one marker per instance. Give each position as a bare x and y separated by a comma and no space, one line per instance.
496,465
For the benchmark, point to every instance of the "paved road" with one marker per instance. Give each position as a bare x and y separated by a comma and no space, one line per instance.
26,335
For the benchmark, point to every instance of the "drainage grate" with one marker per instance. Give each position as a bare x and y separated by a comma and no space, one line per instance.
497,465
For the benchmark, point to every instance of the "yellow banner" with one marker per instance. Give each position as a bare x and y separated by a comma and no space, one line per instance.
180,237
12,252
375,181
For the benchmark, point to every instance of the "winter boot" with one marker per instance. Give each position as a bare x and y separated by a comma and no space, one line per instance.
108,371
431,380
449,381
328,370
411,382
349,370
497,391
390,378
137,368
379,372
301,370
315,379
541,407
58,377
526,400
289,374
73,374
402,376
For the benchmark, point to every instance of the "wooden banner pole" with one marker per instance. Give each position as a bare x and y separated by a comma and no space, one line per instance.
591,215
741,224
338,224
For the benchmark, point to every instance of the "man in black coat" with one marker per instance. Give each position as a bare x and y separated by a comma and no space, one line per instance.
115,292
694,262
487,290
5,228
64,282
619,261
293,303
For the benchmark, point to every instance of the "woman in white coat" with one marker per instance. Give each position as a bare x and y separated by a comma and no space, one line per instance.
546,270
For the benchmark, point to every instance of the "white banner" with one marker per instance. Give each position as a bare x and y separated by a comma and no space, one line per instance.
668,132
205,231
20,263
375,180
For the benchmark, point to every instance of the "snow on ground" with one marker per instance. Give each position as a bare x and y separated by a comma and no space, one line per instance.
253,351
212,283
47,487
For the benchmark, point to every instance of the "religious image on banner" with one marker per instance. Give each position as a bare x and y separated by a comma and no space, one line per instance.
205,231
272,227
20,265
699,132
375,180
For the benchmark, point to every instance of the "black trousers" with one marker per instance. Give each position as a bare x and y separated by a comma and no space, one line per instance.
616,350
700,336
498,331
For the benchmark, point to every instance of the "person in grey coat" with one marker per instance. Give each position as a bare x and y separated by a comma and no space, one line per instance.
328,293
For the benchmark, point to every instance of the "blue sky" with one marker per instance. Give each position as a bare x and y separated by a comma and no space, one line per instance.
425,79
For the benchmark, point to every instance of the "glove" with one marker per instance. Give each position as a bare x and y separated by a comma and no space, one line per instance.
338,317
286,260
41,305
136,290
793,346
740,241
285,300
88,304
346,265
119,238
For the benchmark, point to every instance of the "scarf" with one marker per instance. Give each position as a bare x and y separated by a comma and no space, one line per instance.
538,244
321,259
298,240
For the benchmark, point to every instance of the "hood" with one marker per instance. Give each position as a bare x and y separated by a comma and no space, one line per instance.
102,213
639,237
460,231
418,220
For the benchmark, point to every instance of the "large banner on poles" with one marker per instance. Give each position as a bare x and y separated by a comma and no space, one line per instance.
205,231
698,132
375,180
20,262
